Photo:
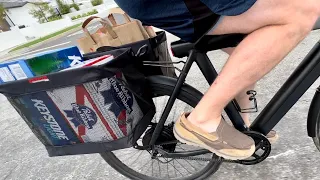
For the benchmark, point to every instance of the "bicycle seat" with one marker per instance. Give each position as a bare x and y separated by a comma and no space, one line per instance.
206,43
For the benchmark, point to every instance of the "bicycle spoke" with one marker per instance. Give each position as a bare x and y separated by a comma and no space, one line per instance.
159,169
152,166
136,158
176,168
128,153
190,164
145,164
168,171
184,167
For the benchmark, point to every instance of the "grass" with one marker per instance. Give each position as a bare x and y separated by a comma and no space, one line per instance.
44,38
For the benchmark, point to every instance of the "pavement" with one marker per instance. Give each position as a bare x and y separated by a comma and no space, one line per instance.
293,157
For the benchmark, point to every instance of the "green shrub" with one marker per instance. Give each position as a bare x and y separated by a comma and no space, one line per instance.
63,7
75,6
85,14
96,2
54,18
92,12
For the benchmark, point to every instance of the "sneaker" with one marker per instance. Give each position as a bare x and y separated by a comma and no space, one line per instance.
272,136
226,142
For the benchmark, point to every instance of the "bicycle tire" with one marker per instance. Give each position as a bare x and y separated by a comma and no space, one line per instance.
188,95
313,124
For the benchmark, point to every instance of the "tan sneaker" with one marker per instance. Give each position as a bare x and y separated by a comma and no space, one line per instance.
272,136
226,142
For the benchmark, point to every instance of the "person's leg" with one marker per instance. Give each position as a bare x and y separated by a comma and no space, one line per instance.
274,28
242,98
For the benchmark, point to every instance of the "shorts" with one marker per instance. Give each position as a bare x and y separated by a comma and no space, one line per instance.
187,19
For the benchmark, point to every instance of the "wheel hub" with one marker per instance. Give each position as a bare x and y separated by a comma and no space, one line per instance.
165,136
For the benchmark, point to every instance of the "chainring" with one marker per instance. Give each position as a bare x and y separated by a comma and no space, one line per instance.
263,149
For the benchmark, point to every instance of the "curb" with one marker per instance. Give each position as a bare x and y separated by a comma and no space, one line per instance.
18,52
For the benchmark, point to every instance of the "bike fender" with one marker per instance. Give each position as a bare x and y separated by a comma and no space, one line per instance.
169,81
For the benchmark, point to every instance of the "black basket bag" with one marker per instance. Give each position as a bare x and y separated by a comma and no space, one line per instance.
155,54
86,110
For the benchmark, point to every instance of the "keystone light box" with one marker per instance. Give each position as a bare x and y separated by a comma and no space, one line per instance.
40,64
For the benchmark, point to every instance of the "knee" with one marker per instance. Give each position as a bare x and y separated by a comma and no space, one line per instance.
306,16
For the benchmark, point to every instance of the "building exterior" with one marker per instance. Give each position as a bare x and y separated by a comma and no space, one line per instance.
17,13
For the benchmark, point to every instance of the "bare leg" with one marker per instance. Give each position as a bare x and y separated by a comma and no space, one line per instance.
242,98
276,28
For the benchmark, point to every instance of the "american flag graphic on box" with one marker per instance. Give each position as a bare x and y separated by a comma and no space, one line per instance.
103,110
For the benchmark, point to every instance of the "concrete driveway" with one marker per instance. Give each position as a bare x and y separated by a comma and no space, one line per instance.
294,156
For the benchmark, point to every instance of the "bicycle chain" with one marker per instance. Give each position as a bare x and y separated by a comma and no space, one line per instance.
195,158
253,134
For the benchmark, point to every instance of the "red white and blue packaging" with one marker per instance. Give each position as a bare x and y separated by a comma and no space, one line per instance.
41,111
99,111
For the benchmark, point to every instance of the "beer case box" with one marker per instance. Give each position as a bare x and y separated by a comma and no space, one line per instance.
14,71
41,113
99,111
40,64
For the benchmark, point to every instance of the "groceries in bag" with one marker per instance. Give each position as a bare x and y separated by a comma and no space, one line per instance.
98,111
93,62
40,64
113,34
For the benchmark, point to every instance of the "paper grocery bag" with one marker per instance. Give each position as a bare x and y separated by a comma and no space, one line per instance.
104,36
110,35
134,27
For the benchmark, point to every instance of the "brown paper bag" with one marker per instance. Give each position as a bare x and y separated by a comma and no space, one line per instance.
161,52
104,36
108,35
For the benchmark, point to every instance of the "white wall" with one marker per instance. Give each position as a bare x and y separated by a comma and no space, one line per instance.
21,16
11,38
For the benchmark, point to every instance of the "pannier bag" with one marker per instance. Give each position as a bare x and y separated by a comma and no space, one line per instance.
86,110
156,53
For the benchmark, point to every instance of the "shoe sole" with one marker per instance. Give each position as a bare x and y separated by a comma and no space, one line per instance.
183,140
274,139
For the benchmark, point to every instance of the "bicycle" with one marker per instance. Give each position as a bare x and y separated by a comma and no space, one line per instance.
158,141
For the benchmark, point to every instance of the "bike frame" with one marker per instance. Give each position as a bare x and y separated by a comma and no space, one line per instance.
297,84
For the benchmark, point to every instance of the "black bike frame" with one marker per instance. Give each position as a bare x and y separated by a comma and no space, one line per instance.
297,84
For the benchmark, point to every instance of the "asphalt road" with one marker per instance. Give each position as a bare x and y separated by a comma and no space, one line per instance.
294,157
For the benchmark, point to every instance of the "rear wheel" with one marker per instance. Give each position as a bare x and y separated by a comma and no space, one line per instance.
140,164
